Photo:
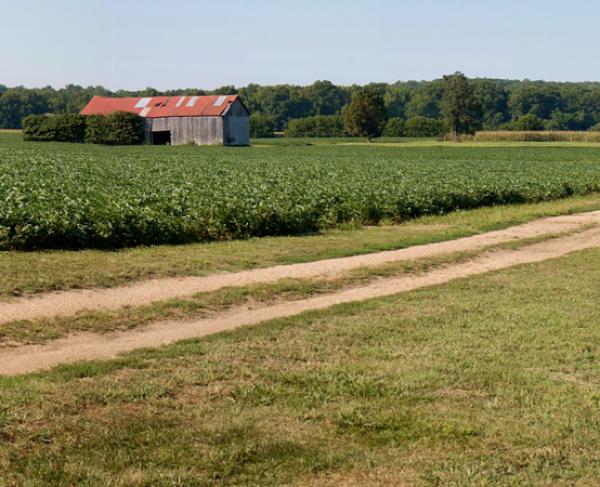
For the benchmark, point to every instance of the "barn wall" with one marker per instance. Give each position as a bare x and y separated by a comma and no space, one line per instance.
197,130
236,130
236,125
237,109
148,130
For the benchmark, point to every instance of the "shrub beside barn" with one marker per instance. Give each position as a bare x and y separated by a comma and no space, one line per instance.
119,128
176,120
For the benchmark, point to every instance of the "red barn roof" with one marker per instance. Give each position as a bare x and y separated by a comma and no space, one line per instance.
162,106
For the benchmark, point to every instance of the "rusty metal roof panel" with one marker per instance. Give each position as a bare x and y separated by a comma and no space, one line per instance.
162,106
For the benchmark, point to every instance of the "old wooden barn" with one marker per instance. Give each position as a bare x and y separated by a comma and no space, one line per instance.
176,120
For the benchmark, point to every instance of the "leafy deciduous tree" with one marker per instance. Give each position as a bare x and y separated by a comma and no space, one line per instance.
366,115
460,107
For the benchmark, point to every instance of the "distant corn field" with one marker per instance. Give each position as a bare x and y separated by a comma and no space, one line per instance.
536,136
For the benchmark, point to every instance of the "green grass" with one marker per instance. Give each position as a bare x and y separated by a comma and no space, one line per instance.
72,196
204,305
487,381
33,272
208,304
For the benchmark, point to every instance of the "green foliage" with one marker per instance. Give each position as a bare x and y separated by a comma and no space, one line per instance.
396,99
460,106
528,123
36,127
394,128
366,115
120,128
326,98
17,103
423,127
425,100
124,128
83,196
493,96
572,106
95,129
317,126
261,126
567,121
539,100
596,127
68,127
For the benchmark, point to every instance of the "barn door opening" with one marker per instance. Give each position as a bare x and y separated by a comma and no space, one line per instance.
162,137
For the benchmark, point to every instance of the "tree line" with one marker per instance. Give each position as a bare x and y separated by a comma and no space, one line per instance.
411,107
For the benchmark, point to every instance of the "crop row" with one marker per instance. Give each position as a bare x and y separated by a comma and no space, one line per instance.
64,197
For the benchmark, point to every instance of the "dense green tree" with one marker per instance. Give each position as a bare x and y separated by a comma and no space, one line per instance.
493,96
283,102
124,128
261,125
396,99
394,127
573,106
460,107
528,122
586,99
425,100
567,121
17,103
326,98
149,91
67,127
96,130
366,115
317,126
539,99
423,127
225,90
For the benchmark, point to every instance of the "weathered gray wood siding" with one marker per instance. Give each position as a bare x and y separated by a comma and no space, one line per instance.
236,130
232,128
237,109
148,130
236,125
191,130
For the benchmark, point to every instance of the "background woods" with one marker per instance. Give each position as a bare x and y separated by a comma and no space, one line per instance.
504,104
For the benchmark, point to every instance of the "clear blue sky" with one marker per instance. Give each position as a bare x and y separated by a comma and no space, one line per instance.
183,43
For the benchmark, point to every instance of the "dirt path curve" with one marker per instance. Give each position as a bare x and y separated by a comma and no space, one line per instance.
145,292
89,346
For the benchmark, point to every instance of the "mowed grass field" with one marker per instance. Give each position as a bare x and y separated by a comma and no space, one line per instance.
487,381
491,380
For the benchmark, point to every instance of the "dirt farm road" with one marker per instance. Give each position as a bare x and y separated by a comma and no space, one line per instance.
88,346
65,303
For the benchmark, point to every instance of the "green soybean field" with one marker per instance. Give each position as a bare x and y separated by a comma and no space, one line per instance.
70,196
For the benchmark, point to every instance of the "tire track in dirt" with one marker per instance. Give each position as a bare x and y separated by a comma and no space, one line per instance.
89,346
68,303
